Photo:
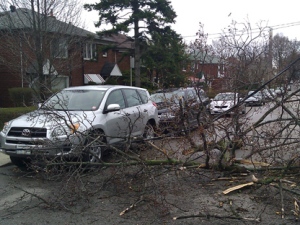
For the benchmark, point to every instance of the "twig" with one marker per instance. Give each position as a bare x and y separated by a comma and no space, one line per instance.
285,189
217,217
163,151
132,206
34,195
281,199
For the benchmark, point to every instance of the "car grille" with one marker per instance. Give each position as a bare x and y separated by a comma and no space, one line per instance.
28,132
221,107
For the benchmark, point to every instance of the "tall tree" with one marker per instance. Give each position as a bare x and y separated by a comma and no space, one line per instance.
165,57
244,53
143,17
285,51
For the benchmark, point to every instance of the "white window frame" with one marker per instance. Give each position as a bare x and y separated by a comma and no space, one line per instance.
220,71
89,51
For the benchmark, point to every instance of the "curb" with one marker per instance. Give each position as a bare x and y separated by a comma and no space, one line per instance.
4,160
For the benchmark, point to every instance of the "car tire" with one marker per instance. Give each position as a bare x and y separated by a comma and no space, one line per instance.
244,110
94,147
149,131
21,163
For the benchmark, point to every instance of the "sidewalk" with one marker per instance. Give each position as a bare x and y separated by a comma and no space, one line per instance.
4,159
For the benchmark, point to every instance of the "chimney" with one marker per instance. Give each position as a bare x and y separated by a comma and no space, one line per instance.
12,8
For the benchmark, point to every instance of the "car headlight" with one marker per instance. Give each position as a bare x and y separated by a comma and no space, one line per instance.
65,130
6,127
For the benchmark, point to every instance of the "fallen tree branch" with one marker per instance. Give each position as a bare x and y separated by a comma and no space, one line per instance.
285,189
208,216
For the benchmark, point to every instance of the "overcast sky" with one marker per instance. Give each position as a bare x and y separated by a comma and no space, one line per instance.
282,16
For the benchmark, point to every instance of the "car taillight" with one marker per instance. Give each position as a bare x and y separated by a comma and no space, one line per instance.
154,104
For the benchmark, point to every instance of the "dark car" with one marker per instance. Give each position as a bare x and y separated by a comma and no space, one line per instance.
180,109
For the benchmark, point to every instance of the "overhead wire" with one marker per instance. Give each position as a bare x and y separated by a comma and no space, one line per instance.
255,30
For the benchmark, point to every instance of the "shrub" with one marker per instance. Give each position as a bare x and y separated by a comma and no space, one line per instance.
7,114
21,96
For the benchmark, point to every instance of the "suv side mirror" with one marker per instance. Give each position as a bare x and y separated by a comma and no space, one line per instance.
112,108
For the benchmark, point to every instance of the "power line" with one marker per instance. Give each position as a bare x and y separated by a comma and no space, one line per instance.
256,30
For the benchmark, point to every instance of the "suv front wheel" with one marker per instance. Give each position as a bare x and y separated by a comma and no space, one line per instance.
20,162
94,147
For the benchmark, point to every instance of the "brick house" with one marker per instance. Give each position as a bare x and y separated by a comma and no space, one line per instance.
205,68
40,51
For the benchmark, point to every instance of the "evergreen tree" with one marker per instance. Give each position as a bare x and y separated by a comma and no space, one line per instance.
142,16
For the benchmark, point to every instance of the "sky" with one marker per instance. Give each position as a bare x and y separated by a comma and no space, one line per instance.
282,16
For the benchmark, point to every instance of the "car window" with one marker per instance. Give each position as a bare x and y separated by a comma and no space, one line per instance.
191,95
144,96
116,97
163,98
202,95
132,97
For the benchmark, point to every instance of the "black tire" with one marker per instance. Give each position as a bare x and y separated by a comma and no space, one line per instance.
94,147
244,111
22,163
149,131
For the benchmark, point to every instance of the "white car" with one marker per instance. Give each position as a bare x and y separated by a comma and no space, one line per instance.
80,121
269,94
279,91
256,99
223,102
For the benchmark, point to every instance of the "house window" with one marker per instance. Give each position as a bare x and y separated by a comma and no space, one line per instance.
220,71
59,82
59,47
104,54
89,51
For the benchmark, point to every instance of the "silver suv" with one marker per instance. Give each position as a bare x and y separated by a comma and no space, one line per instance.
81,121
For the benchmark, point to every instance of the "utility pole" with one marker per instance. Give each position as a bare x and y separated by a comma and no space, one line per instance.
270,55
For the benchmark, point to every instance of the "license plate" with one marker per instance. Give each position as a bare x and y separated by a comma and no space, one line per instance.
23,147
24,152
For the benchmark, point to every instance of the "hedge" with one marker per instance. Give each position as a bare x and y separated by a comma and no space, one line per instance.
7,114
21,96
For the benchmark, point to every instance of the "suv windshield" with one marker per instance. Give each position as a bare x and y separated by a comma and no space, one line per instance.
75,100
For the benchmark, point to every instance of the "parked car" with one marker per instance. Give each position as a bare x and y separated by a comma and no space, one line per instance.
179,109
256,99
269,94
80,121
223,102
279,91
